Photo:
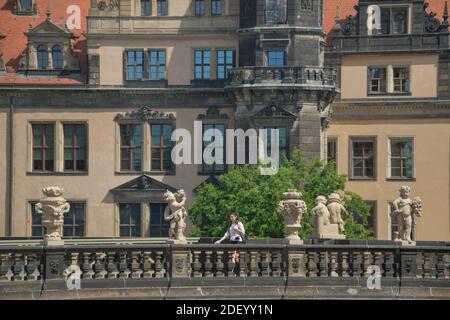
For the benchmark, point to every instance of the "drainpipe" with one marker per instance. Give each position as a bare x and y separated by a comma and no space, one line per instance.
10,165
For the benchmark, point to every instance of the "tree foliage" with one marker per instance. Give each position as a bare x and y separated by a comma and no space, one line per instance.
255,197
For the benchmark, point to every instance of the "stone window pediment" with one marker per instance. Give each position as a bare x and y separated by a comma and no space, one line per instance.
145,114
213,113
141,189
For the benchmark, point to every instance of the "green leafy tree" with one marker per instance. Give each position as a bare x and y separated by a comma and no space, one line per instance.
255,197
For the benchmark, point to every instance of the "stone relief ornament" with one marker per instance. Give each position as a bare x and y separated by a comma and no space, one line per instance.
405,211
292,208
328,223
176,213
52,208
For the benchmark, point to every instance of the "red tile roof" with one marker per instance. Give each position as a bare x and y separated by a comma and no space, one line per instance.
14,44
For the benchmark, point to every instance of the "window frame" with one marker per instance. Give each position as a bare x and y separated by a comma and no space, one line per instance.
268,59
43,148
39,53
162,8
362,139
202,65
86,148
370,79
60,55
389,160
269,143
408,67
130,147
135,65
391,19
200,8
226,65
334,140
162,147
203,165
161,223
147,4
215,4
120,224
158,65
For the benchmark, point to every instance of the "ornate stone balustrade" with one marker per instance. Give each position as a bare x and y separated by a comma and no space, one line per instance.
314,76
198,270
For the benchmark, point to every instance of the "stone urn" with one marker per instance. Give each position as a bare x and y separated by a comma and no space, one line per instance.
292,208
52,208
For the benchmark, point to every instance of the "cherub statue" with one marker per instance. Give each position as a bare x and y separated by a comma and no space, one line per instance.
176,213
335,208
321,213
405,210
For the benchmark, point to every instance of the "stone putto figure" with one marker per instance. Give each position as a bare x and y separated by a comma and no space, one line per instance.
292,208
326,226
405,210
336,208
176,213
52,208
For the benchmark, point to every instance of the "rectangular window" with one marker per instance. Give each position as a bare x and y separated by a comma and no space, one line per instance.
202,64
275,11
74,221
159,227
283,152
43,147
161,147
362,158
135,64
37,229
157,64
199,7
377,80
276,58
130,147
218,153
332,152
130,219
225,62
393,21
402,158
75,147
401,79
146,7
216,7
162,7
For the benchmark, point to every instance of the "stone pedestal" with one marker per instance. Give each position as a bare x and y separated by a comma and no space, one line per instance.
52,243
330,231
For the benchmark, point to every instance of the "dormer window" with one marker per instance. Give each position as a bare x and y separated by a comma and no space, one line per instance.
42,57
25,7
57,57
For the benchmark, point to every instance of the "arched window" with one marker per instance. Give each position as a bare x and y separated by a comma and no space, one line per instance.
57,57
42,55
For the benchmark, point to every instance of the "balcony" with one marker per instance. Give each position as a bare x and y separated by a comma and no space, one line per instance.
266,269
282,76
161,25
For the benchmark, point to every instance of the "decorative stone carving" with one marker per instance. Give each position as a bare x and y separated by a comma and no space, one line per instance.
405,211
52,207
212,113
176,213
292,208
350,25
111,5
145,113
326,225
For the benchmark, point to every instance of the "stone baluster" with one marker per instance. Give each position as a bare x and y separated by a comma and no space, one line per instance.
312,265
113,272
334,264
19,266
33,267
5,267
276,264
254,265
344,264
378,261
136,270
219,264
264,264
99,265
428,265
208,264
147,265
355,265
123,265
88,273
230,265
159,266
323,264
440,265
367,263
196,264
388,264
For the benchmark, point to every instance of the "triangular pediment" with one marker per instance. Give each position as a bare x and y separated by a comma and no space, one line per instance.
274,110
143,183
48,27
211,180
